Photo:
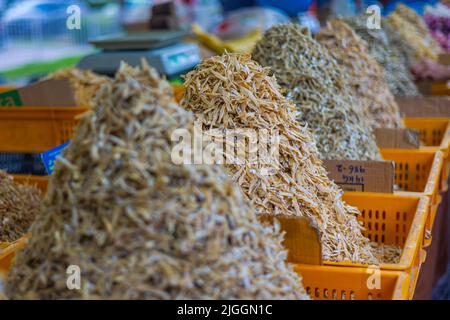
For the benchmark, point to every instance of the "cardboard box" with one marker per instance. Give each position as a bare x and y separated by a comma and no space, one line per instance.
363,176
424,107
47,93
433,88
400,138
444,58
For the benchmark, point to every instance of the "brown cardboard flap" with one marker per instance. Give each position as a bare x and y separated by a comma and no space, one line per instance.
363,176
302,239
444,58
400,138
48,93
424,107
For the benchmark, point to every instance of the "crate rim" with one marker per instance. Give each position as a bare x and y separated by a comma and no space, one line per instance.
41,109
401,289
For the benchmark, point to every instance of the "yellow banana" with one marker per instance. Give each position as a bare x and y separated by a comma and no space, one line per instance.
240,45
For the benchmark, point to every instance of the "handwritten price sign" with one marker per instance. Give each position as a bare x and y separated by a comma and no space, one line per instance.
368,176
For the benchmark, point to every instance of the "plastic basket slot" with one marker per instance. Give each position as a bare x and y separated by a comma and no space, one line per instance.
437,137
423,135
317,292
67,130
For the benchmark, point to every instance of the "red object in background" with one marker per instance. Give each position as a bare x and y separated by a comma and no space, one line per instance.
312,10
223,26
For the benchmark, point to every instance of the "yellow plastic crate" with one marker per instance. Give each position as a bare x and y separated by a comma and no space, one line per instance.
8,252
39,181
393,219
334,283
178,91
440,88
418,172
6,88
37,129
435,132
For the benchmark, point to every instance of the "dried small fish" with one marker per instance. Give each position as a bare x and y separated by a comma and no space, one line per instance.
388,55
140,226
318,86
388,253
232,91
85,83
411,42
432,47
19,206
364,73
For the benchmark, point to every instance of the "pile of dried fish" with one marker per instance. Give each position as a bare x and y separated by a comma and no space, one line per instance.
318,86
419,24
233,92
399,46
19,205
387,54
85,83
411,42
139,226
365,75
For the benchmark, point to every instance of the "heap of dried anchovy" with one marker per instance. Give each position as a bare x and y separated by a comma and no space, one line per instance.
412,43
318,86
85,83
398,44
365,75
387,54
138,225
19,205
234,92
419,24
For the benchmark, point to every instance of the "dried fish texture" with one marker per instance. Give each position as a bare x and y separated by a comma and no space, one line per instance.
413,43
19,206
388,253
364,73
139,226
402,47
85,83
387,54
232,91
318,86
419,24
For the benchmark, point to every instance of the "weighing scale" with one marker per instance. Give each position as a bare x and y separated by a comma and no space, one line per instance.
163,50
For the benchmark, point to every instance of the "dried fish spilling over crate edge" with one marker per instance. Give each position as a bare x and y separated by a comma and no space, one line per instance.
140,226
232,91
